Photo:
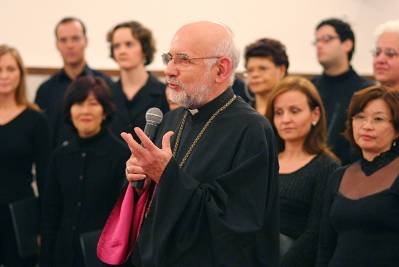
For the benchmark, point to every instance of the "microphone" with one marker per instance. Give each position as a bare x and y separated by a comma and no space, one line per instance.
153,118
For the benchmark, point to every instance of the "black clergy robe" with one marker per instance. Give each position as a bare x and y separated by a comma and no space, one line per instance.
221,207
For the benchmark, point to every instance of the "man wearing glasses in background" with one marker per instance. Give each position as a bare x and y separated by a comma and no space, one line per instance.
335,45
214,182
386,54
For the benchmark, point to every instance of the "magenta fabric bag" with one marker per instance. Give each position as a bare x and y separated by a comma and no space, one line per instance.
122,228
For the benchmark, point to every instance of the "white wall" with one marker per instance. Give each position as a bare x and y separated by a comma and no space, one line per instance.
29,25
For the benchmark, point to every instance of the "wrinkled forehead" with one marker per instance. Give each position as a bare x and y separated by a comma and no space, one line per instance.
389,39
199,38
190,44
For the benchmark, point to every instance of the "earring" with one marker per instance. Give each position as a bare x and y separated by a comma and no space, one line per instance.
314,123
394,143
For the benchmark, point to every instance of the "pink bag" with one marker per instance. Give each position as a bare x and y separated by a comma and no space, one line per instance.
122,228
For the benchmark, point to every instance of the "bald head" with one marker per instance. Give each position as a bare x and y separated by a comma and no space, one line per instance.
203,34
200,63
208,38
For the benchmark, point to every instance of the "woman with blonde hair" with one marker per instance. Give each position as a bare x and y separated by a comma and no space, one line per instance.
297,114
25,142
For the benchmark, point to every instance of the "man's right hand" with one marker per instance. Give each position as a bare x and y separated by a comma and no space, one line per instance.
135,173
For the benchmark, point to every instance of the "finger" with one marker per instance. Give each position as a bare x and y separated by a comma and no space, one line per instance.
134,170
132,161
128,139
134,147
135,177
145,140
166,140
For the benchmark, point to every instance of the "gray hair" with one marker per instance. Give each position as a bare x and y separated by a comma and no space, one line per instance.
228,48
389,26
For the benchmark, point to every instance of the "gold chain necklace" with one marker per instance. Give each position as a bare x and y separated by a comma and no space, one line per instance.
200,134
190,150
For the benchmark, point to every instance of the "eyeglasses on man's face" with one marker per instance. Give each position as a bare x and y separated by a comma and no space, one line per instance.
324,39
361,119
388,52
182,58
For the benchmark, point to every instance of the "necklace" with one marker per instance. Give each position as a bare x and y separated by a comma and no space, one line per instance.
190,150
200,134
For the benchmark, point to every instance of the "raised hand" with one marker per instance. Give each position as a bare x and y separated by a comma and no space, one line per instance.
147,159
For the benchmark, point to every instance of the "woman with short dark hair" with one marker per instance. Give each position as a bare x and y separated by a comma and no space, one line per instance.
85,174
266,63
132,46
360,225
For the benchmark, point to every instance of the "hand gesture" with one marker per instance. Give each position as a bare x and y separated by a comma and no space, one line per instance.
147,159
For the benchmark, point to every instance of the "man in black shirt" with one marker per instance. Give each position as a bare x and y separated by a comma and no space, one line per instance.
71,42
335,45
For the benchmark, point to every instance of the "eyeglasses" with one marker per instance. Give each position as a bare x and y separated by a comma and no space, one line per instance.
361,119
181,58
325,39
388,52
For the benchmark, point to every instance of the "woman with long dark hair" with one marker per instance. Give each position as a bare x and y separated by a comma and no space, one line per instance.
297,114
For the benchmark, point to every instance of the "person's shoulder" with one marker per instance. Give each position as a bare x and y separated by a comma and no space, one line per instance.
153,79
155,84
247,114
174,114
117,144
35,115
362,82
334,178
103,76
98,73
49,83
247,120
326,159
316,79
326,163
116,87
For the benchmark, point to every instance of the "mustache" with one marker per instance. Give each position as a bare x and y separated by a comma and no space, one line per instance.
174,81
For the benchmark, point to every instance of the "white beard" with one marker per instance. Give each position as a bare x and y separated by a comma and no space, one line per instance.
194,100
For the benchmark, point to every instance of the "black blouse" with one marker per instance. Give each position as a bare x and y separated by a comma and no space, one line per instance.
24,142
364,231
301,194
131,113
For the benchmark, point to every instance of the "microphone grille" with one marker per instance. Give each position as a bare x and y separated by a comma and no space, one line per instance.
153,116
